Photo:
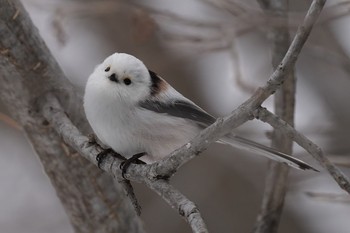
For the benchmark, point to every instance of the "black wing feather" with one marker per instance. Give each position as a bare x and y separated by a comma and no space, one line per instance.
187,110
180,108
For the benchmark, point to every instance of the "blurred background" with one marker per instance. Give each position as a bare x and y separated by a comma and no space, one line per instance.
215,52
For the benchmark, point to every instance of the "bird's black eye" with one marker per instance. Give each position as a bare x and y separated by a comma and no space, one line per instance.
108,68
127,81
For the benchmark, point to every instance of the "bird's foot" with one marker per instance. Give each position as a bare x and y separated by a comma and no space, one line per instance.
134,159
103,154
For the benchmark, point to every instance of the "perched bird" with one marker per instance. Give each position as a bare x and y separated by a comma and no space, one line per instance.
135,112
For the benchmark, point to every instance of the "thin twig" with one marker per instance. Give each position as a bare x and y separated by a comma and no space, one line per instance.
181,20
129,192
236,70
340,160
179,202
330,197
264,115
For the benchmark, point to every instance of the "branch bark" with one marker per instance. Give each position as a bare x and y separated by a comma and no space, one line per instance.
277,176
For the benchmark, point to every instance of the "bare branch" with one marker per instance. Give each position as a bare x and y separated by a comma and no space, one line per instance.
129,192
179,202
277,177
277,123
340,160
330,197
243,113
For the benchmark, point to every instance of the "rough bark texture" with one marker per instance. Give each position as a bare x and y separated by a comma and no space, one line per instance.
28,71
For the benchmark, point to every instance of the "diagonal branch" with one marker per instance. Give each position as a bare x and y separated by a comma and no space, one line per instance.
277,123
243,113
179,202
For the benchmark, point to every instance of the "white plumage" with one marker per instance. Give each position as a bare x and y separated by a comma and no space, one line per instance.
133,110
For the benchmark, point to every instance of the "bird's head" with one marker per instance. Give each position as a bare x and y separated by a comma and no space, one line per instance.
123,77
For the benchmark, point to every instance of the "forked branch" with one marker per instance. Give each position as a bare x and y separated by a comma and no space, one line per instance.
243,113
266,116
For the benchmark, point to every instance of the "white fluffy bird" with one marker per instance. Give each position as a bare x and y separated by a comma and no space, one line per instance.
133,110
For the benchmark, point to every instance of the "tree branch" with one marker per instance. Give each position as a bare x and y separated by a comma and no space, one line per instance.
243,113
277,175
179,202
264,115
56,116
330,197
129,192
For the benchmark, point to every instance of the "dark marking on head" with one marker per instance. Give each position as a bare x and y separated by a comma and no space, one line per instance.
157,84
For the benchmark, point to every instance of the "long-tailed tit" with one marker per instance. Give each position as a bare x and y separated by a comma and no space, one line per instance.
133,110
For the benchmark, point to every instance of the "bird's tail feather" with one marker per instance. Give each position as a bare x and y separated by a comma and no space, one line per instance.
268,152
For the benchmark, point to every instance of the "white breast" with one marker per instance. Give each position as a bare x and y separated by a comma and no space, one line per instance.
129,131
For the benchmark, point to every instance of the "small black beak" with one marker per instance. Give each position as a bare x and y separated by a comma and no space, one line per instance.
113,78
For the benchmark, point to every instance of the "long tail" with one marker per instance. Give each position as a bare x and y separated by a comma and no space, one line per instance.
268,152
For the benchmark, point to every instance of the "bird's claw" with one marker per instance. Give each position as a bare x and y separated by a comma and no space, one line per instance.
134,159
103,154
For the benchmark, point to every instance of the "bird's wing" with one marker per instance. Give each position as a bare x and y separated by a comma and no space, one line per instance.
180,108
183,108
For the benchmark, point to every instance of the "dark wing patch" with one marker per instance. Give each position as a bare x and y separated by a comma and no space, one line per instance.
182,109
156,83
